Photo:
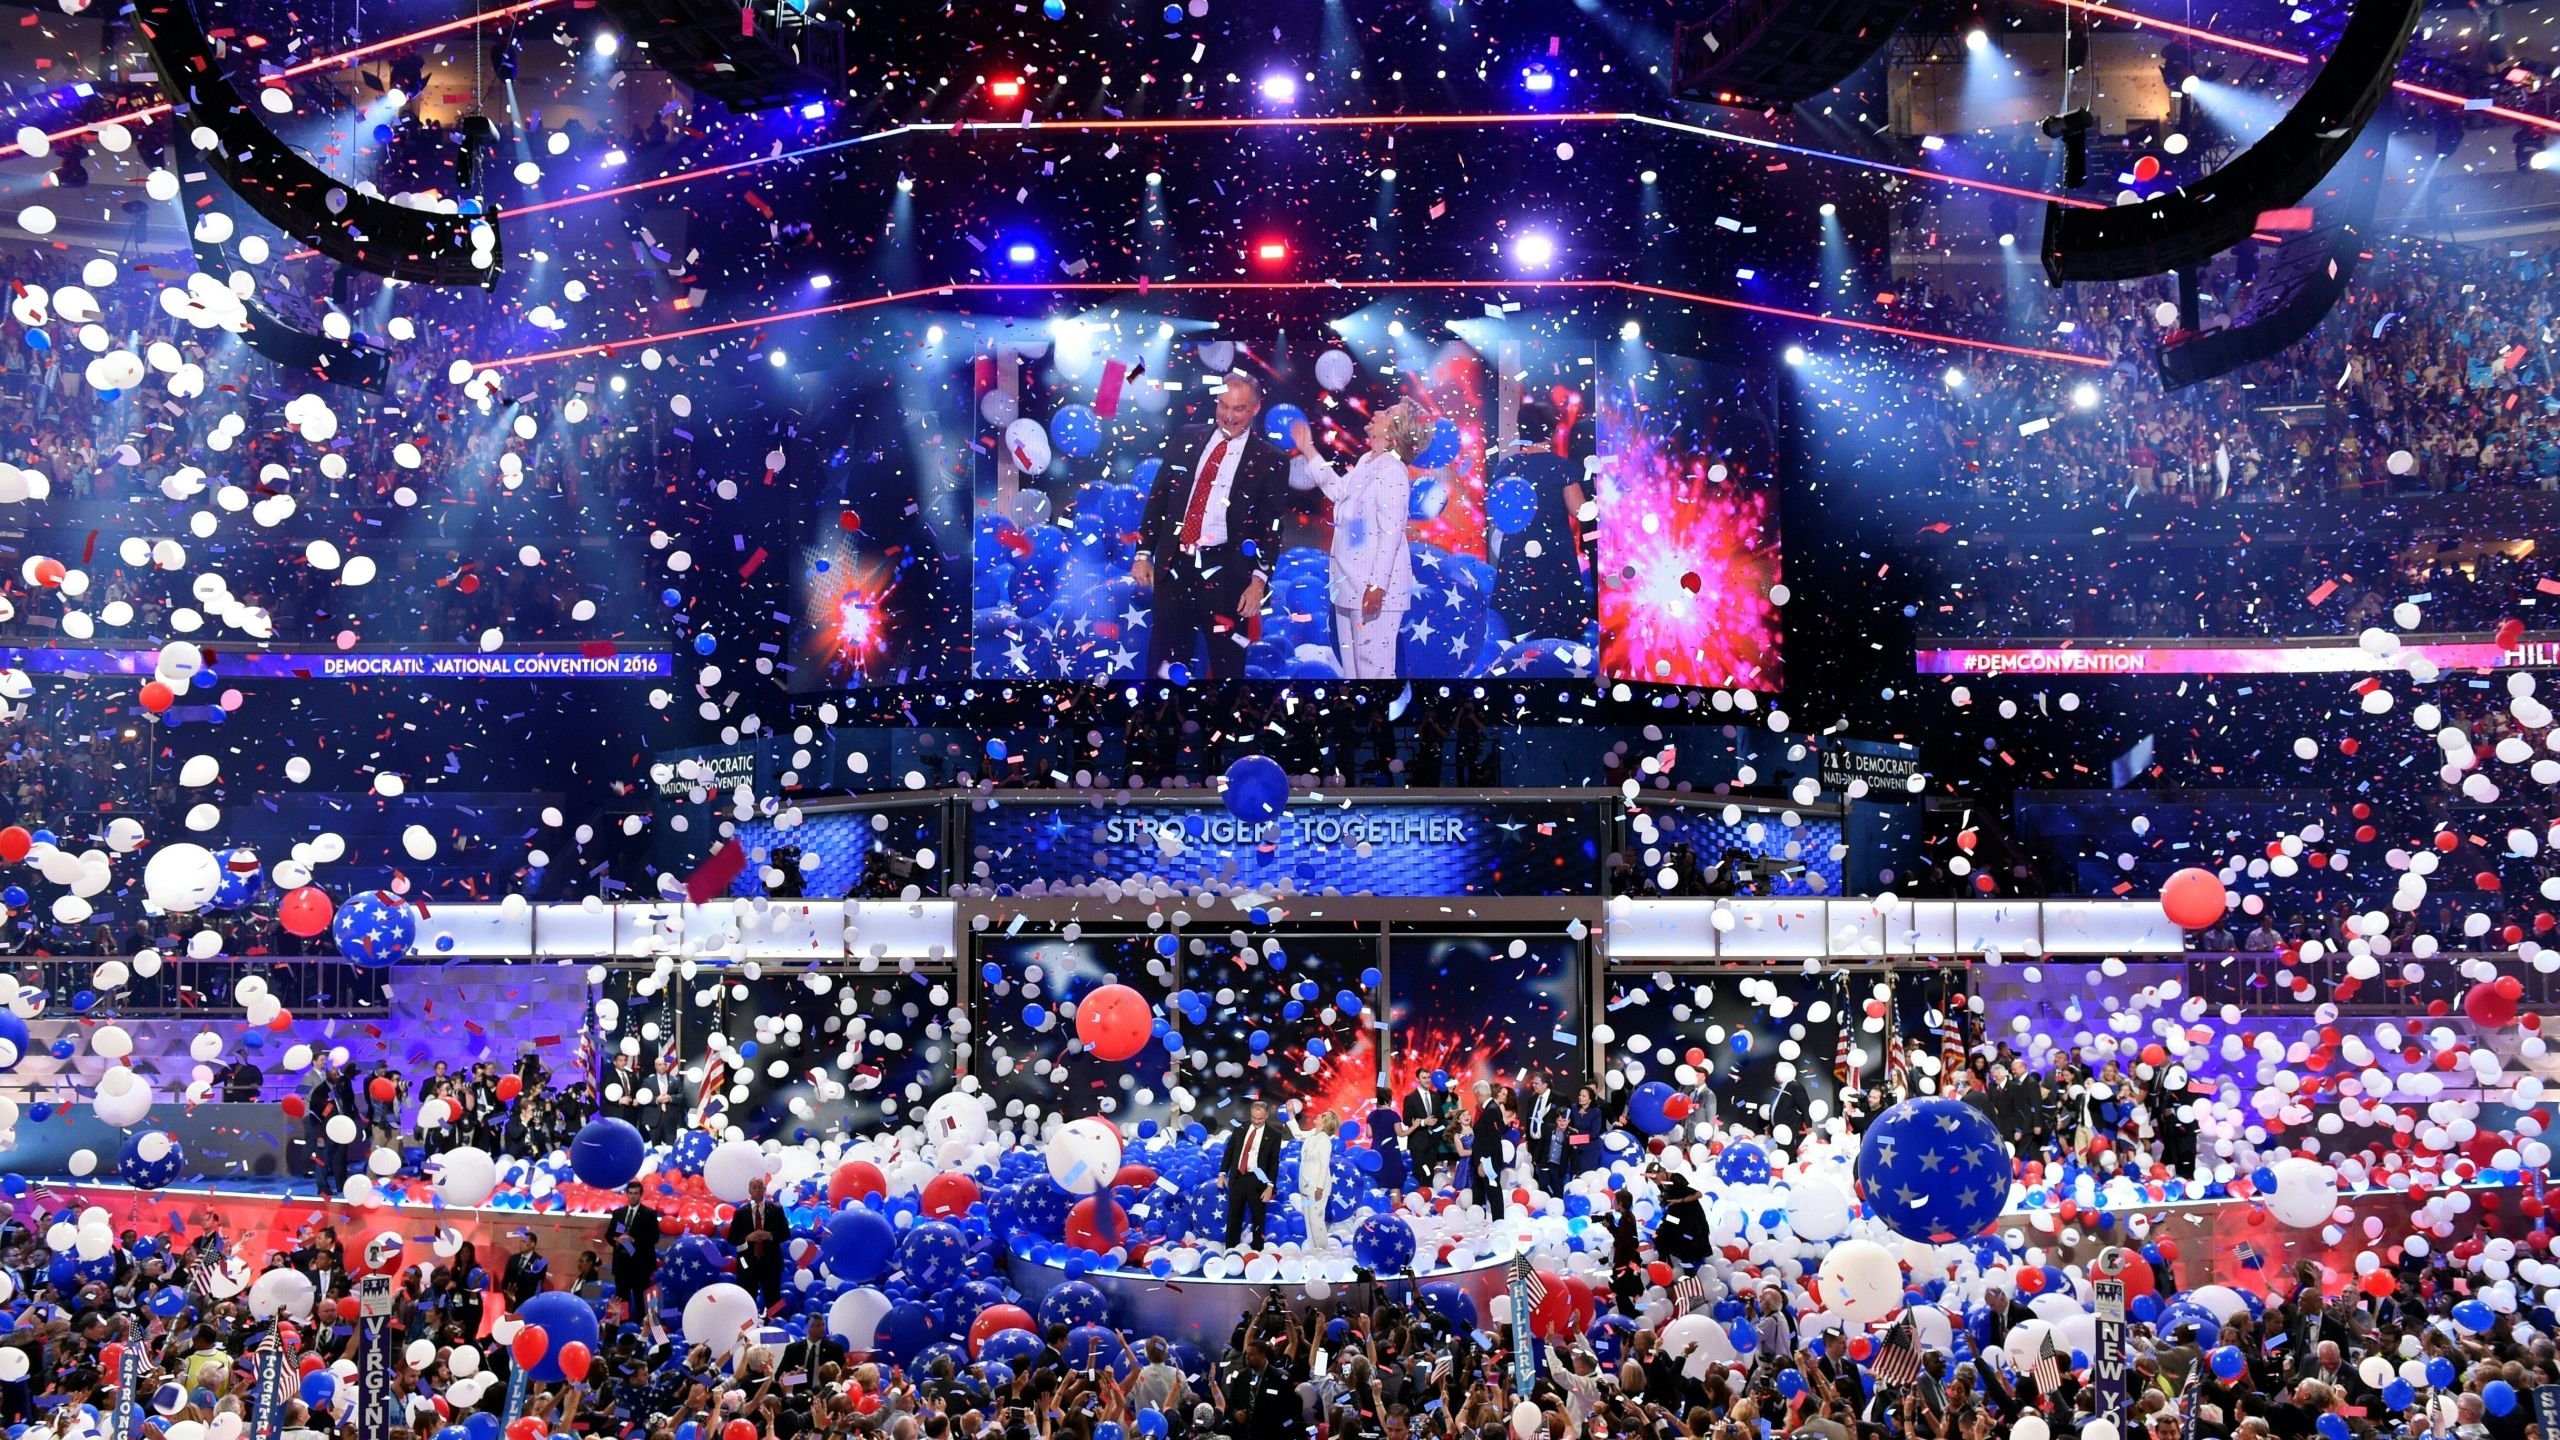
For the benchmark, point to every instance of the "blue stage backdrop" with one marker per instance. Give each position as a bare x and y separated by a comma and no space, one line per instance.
1518,848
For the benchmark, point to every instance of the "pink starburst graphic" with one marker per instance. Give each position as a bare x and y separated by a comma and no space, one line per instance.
1688,553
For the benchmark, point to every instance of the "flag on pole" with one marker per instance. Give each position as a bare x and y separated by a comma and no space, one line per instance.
1692,1293
1525,1277
715,1078
2048,1372
1950,1041
1896,1362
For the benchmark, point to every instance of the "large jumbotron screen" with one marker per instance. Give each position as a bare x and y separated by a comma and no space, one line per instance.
1584,509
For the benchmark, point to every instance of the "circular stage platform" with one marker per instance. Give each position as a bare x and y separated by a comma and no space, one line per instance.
1205,1312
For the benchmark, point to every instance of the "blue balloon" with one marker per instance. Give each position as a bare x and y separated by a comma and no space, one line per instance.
2333,1426
1451,1302
607,1153
1276,423
1511,504
241,879
1934,1168
1384,1244
2399,1394
1441,448
2228,1362
567,1320
13,1039
2499,1396
934,1254
1075,431
2474,1316
144,1174
2440,1372
1257,789
858,1245
1645,1108
1743,1163
375,928
1075,1303
318,1387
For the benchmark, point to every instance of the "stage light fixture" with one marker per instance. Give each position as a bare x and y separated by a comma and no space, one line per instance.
1829,209
2189,225
1388,175
1977,40
1954,378
933,334
1534,251
1005,87
1280,89
1538,80
1649,177
906,185
1795,355
1271,252
1631,331
778,360
2008,241
607,44
822,281
1022,252
1154,178
2084,396
814,110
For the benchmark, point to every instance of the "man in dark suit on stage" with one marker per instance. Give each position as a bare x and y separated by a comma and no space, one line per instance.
758,1232
1211,535
1252,1168
632,1236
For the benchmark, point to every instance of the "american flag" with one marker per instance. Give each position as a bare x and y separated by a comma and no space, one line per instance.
200,1273
1525,1279
2048,1371
2187,1396
715,1079
1897,1066
1841,1069
1951,1042
1896,1362
1691,1293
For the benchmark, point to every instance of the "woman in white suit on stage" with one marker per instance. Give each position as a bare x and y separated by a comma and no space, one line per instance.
1315,1168
1372,582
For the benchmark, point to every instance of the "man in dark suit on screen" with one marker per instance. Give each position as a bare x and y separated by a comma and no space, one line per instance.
1211,535
1252,1168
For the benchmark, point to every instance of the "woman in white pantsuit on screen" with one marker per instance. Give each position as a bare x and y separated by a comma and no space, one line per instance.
1315,1168
1372,583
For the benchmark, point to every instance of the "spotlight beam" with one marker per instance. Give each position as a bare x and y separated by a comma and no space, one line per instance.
1317,122
1092,287
2294,57
314,65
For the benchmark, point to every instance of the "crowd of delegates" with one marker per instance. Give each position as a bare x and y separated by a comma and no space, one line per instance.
1367,1362
521,1110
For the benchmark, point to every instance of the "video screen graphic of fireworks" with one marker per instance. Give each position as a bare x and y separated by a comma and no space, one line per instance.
1688,524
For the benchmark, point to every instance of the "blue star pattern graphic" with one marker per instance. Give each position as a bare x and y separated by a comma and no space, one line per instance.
1934,1169
1743,1163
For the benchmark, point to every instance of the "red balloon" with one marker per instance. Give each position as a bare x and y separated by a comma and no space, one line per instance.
2488,1006
738,1430
949,1193
510,1086
309,1363
2146,169
1114,1022
49,571
294,1107
382,1088
1139,1177
2193,898
157,697
347,1308
574,1360
531,1427
1085,1229
531,1344
14,843
993,1321
305,912
855,1180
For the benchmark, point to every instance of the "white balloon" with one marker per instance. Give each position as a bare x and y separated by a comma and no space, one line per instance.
282,1292
855,1318
718,1316
1083,1155
1334,369
182,876
1862,1281
465,1175
1818,1208
123,1098
731,1166
2306,1192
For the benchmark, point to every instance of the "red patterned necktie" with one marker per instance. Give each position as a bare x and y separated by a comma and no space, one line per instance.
1198,509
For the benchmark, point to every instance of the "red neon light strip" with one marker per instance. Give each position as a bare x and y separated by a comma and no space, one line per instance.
2291,57
324,62
725,327
1313,122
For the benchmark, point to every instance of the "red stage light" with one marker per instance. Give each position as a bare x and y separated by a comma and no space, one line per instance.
1005,88
1271,252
